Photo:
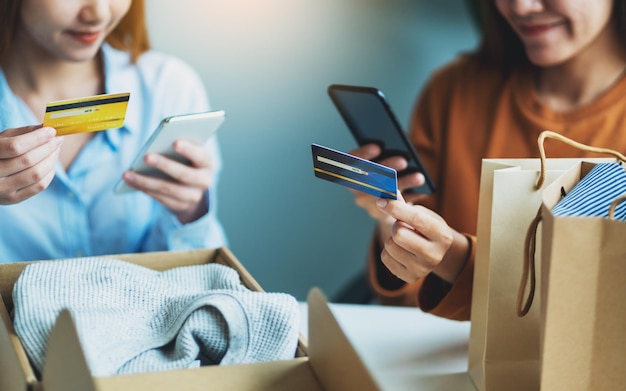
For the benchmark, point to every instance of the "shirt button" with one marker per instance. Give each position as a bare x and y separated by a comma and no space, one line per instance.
79,254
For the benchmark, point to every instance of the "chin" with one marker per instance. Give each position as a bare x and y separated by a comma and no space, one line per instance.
82,55
547,59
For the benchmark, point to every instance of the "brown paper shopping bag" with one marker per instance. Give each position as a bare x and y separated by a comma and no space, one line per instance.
583,292
504,349
583,299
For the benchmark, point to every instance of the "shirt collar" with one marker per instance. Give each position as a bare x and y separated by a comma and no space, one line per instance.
120,75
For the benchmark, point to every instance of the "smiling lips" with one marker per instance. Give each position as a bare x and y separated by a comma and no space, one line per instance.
535,30
85,37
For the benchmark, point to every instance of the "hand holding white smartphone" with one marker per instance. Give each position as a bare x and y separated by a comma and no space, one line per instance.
196,128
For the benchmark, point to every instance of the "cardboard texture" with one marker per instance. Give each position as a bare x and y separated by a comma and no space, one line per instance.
329,363
504,350
583,311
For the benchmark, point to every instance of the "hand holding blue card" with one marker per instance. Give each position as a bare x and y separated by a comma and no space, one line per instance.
354,172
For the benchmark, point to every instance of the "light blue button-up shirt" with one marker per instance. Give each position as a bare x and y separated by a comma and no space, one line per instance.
79,214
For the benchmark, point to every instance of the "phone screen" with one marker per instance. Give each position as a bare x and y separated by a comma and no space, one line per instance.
369,117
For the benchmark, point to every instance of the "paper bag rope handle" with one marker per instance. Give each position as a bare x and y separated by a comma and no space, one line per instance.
614,204
528,271
583,147
530,242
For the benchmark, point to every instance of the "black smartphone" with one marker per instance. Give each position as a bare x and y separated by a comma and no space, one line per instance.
368,115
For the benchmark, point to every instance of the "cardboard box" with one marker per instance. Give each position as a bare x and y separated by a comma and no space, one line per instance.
329,362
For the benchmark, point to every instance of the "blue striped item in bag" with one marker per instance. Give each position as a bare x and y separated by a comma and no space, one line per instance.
593,195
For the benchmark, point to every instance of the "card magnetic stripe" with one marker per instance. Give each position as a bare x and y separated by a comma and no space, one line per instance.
345,178
87,103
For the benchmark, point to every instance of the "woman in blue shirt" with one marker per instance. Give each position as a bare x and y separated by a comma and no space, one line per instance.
56,193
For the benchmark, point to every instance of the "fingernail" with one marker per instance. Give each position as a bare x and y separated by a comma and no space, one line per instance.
180,146
151,159
381,202
374,150
50,132
129,176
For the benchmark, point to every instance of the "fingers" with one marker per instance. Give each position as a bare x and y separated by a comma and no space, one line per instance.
372,151
197,154
22,193
186,202
368,151
40,158
407,255
18,141
184,193
414,198
27,159
366,201
419,218
419,240
174,195
163,189
28,182
196,174
410,180
410,256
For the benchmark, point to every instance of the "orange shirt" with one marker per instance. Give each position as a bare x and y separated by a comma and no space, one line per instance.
468,112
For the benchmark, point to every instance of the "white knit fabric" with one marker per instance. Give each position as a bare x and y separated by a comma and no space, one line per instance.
133,319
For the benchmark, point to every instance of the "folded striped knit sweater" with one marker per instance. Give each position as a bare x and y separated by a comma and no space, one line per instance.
133,319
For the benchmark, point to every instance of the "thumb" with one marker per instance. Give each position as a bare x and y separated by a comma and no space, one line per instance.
397,209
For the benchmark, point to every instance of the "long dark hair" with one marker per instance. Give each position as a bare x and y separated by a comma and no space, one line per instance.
130,34
501,47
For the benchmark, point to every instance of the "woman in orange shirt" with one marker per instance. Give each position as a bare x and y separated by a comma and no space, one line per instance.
542,64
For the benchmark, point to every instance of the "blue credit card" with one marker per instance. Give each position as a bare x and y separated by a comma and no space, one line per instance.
355,172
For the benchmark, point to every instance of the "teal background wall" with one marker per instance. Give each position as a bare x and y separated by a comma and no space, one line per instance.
268,63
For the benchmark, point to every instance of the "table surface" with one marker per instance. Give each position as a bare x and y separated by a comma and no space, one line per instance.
405,348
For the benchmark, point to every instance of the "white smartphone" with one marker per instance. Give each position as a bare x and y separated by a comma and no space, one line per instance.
196,128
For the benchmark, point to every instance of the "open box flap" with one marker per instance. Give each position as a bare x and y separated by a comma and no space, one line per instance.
65,367
287,375
12,361
332,365
15,370
334,360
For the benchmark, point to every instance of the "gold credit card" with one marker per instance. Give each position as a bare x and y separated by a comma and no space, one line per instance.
88,114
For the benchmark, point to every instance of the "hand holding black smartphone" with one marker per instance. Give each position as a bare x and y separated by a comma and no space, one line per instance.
370,119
